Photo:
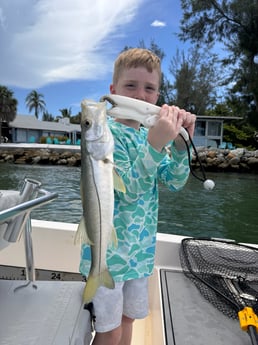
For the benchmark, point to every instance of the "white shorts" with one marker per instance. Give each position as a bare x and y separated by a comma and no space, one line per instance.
129,298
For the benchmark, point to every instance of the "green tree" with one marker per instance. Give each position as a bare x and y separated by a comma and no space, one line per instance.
8,107
196,80
66,112
76,119
234,23
35,101
48,117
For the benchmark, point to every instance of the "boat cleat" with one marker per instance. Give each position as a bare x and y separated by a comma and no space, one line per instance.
123,107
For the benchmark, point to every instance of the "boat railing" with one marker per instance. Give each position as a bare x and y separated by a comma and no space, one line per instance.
16,220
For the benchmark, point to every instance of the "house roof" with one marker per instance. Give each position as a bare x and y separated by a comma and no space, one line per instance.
31,122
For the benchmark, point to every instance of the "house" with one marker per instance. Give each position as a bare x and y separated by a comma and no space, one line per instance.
208,129
26,127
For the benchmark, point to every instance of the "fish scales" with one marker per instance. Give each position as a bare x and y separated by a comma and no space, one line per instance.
97,193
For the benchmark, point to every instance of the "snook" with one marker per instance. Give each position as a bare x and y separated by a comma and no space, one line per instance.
97,193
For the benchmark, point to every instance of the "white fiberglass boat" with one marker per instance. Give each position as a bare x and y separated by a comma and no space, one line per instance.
49,309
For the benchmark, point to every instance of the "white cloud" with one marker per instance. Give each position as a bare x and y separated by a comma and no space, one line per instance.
44,41
158,23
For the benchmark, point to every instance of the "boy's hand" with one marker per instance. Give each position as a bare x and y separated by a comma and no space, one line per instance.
168,126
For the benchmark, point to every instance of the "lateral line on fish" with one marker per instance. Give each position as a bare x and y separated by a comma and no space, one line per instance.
99,207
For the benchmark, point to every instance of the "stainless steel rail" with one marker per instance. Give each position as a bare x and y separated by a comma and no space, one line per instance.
28,205
18,219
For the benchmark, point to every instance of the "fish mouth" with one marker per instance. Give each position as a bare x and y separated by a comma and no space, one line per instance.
109,99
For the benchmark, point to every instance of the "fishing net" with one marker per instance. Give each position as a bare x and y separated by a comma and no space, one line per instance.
225,272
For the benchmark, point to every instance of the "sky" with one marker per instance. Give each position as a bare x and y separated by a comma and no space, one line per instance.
65,49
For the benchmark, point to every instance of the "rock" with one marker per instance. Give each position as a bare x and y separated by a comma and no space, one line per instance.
36,159
66,154
230,155
62,162
9,158
212,159
71,161
234,161
20,160
253,162
223,166
211,154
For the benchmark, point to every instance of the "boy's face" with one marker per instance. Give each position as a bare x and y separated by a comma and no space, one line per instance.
138,83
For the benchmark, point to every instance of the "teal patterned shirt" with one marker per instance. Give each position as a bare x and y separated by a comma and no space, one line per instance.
136,211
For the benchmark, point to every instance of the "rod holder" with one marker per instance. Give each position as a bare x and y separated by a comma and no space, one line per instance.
15,226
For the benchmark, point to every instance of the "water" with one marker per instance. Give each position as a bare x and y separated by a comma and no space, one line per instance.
229,211
61,179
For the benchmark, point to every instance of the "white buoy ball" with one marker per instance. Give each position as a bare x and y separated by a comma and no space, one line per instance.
256,59
209,184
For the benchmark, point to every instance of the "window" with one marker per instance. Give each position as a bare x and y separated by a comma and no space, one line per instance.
199,129
214,128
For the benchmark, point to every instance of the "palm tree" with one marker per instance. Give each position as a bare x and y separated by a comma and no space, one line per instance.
35,101
47,116
66,112
8,107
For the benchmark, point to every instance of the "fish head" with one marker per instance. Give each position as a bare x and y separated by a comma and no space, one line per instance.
96,137
93,120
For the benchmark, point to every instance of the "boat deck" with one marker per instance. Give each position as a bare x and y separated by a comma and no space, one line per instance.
52,314
179,315
190,319
43,313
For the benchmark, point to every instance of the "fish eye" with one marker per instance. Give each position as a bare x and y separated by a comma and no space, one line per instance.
87,124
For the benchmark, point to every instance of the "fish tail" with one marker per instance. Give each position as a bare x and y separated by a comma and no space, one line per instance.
93,282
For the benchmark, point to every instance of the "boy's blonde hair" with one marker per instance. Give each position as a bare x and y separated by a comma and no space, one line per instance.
136,57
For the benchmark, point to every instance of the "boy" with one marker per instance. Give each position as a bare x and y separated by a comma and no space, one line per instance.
142,161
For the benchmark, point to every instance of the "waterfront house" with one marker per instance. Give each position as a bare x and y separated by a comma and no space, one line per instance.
208,131
27,128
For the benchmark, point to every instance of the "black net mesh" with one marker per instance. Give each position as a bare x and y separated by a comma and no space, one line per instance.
226,273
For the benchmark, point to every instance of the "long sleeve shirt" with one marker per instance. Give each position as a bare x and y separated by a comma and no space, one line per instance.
141,168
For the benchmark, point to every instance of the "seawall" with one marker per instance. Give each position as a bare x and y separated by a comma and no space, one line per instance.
217,160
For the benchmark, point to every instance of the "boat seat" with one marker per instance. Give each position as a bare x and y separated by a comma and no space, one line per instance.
190,319
51,314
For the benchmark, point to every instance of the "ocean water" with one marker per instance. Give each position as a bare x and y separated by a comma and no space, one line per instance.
230,210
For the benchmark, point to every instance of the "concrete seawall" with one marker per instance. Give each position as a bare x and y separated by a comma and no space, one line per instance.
239,160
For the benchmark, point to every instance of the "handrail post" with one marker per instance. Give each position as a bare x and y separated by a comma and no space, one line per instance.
30,268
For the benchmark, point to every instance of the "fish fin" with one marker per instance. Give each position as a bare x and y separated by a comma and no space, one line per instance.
114,239
81,235
93,282
118,182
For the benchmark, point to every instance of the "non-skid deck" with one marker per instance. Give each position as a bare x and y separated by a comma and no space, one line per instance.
50,313
190,319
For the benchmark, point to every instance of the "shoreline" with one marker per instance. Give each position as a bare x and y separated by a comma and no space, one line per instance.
212,159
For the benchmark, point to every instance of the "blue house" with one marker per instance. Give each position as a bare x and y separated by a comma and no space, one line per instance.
27,128
208,130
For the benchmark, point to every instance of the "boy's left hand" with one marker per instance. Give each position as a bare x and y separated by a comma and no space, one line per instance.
168,126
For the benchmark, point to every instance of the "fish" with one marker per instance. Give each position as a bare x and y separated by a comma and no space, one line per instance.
97,194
